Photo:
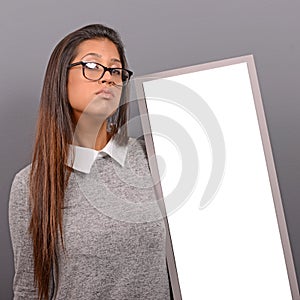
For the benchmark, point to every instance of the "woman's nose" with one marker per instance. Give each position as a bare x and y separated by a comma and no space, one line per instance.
106,78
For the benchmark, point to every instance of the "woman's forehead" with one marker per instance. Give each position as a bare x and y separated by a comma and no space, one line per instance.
98,48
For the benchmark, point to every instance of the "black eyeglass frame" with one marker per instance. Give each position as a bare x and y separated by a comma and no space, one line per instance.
110,70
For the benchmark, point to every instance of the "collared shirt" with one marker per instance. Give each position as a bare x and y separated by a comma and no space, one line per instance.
113,231
85,157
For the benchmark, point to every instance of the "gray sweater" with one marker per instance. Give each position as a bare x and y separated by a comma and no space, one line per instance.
113,232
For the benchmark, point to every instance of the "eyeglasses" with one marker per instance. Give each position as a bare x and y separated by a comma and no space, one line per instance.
95,71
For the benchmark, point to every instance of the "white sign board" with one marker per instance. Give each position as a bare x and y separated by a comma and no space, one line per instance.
217,177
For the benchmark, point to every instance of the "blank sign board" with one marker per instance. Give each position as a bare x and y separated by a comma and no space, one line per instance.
211,159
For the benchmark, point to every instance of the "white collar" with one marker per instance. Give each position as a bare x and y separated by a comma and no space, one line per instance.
85,157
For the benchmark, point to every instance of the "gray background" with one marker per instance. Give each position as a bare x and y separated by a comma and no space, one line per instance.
159,35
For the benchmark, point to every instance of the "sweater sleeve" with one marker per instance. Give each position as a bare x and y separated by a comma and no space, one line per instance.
19,218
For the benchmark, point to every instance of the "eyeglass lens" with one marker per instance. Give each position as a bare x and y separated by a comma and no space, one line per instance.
95,71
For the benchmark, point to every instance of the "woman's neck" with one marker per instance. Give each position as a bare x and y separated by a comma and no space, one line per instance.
92,136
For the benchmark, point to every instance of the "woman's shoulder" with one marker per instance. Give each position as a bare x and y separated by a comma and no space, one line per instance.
20,181
137,155
137,148
137,145
22,175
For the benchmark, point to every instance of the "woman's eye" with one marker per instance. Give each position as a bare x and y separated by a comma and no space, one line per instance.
92,66
116,72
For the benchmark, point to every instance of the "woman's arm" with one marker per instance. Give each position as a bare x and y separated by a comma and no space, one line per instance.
19,218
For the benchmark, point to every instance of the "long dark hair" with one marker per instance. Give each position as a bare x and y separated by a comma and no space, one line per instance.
55,128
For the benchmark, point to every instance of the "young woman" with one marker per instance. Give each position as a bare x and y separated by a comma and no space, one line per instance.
83,217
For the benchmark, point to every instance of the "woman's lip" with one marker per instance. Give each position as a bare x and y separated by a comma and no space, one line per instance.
105,92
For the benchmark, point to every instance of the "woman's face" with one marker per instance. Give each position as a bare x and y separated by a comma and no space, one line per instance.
94,98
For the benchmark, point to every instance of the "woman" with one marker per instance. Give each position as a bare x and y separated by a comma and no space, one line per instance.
83,217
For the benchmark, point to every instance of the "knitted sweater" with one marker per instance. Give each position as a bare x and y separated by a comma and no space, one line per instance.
113,232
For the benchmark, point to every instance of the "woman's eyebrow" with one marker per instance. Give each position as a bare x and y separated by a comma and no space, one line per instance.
92,54
116,60
99,56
